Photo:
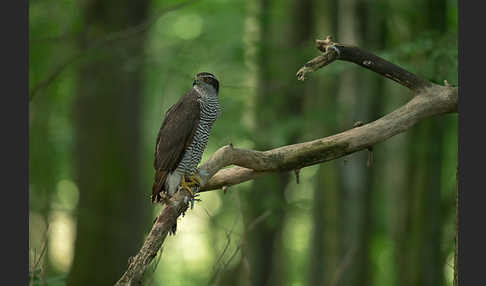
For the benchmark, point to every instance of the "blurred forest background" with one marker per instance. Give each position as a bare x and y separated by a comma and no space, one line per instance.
103,73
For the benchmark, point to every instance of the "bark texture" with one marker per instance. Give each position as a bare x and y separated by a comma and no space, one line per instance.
432,101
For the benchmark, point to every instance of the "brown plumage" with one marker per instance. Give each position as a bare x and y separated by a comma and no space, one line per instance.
175,135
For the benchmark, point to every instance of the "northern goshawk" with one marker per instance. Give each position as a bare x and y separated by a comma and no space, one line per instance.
183,136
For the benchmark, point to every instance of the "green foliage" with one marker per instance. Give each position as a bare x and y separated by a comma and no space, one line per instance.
432,55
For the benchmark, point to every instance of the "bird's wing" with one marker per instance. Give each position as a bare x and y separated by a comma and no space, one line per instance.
175,136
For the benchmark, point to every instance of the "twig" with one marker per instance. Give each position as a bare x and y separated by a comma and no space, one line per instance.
344,264
297,176
249,228
370,157
37,260
228,241
226,246
258,220
156,264
228,236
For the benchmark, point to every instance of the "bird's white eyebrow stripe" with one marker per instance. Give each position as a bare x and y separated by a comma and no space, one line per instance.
207,75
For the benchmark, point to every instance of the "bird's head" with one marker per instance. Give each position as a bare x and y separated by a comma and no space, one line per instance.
207,81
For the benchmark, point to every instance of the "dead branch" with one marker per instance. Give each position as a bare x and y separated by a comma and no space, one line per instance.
139,263
429,100
334,51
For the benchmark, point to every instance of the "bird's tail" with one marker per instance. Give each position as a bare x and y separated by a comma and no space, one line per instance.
158,186
173,229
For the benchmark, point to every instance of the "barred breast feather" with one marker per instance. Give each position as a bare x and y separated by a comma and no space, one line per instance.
209,111
182,139
174,137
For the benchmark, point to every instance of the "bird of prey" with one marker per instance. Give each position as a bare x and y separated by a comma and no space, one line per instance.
183,136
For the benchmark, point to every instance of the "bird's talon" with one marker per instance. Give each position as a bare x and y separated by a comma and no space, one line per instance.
189,190
194,180
185,185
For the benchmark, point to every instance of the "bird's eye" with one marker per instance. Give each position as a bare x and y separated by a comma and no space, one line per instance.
194,82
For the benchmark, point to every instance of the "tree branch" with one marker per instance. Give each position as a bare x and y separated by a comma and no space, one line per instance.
334,51
430,100
434,100
137,266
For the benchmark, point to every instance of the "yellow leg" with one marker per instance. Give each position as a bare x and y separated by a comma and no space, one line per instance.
186,185
193,180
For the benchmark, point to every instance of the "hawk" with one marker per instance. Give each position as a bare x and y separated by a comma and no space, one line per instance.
183,136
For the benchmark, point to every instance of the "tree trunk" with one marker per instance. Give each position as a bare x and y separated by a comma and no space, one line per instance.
353,175
264,242
113,209
324,243
420,259
278,58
